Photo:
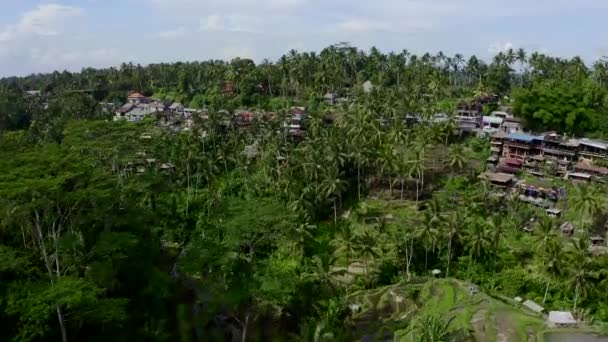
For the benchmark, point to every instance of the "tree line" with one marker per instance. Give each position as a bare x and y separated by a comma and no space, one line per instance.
112,230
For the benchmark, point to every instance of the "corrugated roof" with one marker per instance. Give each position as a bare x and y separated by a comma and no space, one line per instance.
511,124
497,177
561,317
492,120
524,137
594,143
136,95
533,306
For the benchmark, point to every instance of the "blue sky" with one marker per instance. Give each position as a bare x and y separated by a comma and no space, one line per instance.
42,36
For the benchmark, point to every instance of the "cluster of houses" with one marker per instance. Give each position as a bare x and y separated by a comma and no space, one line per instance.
170,114
548,154
176,117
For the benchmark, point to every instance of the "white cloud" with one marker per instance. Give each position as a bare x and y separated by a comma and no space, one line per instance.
497,47
231,52
38,40
246,6
363,25
230,23
173,33
45,20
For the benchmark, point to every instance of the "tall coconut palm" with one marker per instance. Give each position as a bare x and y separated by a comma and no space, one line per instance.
457,157
452,231
479,238
333,186
417,168
580,270
427,233
345,243
367,246
586,201
545,234
521,57
553,262
321,270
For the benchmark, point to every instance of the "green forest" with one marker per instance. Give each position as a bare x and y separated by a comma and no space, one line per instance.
314,239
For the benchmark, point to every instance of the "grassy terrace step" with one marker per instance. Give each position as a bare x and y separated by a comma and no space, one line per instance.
473,316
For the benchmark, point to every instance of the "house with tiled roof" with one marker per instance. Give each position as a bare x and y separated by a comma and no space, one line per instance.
136,97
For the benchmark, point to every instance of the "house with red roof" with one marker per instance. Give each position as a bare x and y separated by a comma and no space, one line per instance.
136,97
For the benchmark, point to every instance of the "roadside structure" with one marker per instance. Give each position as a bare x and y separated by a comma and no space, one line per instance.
561,319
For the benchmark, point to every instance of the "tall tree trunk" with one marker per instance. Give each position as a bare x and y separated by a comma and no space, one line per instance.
447,269
426,257
49,269
576,297
359,181
245,326
335,213
546,291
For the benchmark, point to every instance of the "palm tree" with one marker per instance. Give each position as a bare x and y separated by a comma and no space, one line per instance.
457,157
521,57
545,234
321,270
427,233
452,227
367,246
586,202
333,186
345,243
479,238
553,262
417,169
431,328
386,165
580,271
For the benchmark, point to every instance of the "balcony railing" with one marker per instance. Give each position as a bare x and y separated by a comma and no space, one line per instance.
559,152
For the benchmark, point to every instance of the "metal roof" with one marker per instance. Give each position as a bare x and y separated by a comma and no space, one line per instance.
561,317
593,143
492,120
533,306
524,137
580,175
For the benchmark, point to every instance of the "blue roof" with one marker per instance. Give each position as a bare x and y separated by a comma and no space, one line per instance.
524,137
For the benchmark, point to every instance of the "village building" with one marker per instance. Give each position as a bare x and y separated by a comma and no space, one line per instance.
521,145
501,114
244,117
593,149
553,212
468,120
510,165
511,125
136,98
561,319
496,142
579,176
491,124
533,306
560,149
567,228
596,240
497,179
368,87
586,166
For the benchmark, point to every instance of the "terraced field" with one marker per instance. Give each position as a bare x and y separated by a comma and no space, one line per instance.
385,313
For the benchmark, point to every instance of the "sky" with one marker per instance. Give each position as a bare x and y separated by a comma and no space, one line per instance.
43,36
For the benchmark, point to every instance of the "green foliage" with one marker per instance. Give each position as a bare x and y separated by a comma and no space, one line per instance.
561,106
106,234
